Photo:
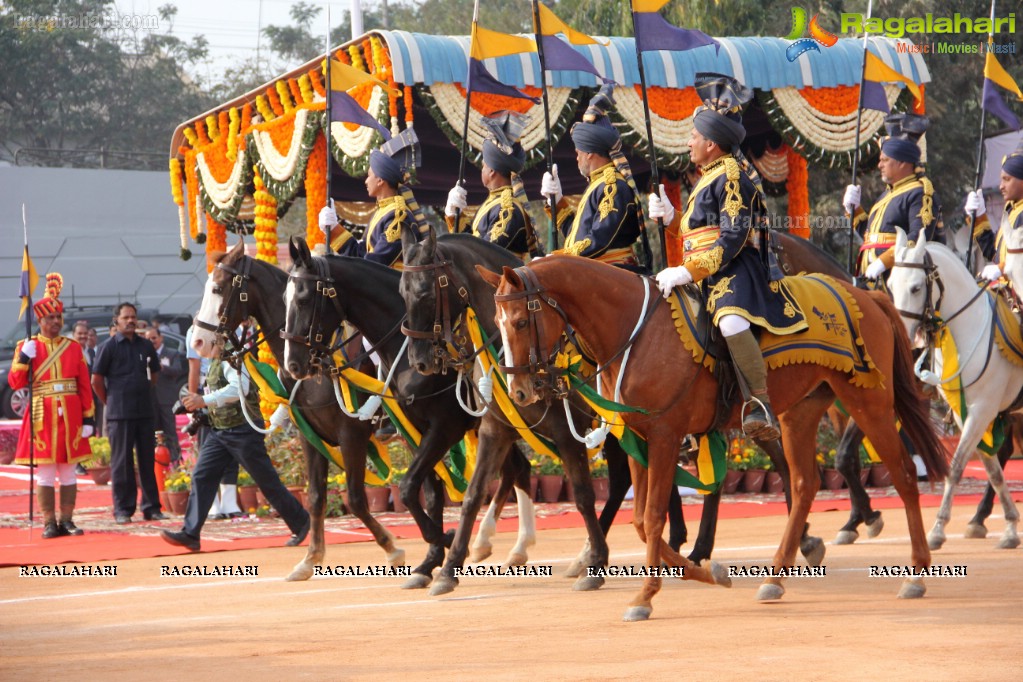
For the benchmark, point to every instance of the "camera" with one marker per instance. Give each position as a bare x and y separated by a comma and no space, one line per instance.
198,419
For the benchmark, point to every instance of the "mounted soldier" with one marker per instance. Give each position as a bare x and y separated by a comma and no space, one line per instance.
993,245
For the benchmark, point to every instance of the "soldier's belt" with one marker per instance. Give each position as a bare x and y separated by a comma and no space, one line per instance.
617,256
50,389
878,241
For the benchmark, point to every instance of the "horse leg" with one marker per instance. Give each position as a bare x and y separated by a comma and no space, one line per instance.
482,546
847,462
704,544
971,434
810,546
430,520
595,552
996,477
316,467
799,430
975,528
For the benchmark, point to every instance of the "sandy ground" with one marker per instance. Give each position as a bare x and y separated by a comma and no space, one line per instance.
845,625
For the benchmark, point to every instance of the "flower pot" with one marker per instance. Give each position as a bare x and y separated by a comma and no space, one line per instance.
299,492
178,500
261,498
550,487
601,488
864,473
732,480
164,500
832,479
774,483
569,492
880,476
247,498
399,506
377,498
753,480
100,475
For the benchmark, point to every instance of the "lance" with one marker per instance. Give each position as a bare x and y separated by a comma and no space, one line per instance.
980,148
654,177
856,149
465,124
327,135
31,403
551,232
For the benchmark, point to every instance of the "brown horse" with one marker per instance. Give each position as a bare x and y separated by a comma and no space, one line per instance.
602,304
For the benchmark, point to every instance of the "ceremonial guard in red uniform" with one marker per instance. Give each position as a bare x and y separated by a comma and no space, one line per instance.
55,430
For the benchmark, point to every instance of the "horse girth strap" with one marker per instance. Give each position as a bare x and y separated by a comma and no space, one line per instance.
443,333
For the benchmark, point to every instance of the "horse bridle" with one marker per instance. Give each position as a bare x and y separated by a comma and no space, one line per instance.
314,338
452,347
237,294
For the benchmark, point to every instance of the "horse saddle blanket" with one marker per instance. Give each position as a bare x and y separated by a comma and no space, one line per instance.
832,340
1008,334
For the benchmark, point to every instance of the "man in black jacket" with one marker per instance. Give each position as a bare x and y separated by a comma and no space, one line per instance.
173,369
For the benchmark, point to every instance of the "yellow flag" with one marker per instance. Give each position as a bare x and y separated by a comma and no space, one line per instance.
551,24
344,77
29,280
879,72
487,44
994,72
648,5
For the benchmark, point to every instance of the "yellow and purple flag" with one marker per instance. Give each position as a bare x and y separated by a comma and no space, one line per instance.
877,72
29,280
558,55
997,77
487,44
344,107
653,32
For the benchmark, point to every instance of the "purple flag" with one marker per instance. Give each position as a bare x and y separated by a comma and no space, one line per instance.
994,104
653,32
343,107
874,97
480,80
559,56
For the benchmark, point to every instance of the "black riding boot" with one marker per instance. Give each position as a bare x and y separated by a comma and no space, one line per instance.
759,422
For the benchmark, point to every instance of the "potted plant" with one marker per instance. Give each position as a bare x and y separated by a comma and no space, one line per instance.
397,475
285,449
865,464
598,472
827,450
401,457
551,477
99,465
178,485
735,465
337,495
757,463
247,492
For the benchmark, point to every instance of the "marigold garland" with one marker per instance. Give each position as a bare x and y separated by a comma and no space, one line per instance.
407,103
216,240
315,190
356,56
200,133
179,200
265,221
192,187
670,103
264,109
799,195
305,89
314,79
266,407
232,134
211,127
296,92
190,135
837,101
274,101
284,96
486,103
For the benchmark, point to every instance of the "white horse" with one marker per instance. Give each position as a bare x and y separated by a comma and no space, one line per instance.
930,279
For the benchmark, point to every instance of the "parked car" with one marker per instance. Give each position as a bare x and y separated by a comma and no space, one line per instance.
13,403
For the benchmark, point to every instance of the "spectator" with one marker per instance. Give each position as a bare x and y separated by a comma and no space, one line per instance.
80,332
165,391
123,376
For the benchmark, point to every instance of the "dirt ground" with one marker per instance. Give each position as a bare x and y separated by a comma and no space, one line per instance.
846,625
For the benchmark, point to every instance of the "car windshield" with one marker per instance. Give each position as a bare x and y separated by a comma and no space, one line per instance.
17,333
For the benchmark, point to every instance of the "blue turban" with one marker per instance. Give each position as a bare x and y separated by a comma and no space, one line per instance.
723,129
504,163
1013,164
595,138
901,149
386,168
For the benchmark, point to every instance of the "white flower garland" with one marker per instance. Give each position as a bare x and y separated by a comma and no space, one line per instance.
671,136
828,132
222,194
356,143
281,167
452,104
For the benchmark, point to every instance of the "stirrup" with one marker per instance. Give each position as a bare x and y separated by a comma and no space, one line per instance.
767,430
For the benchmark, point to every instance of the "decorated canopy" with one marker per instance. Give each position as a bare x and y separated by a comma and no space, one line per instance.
241,165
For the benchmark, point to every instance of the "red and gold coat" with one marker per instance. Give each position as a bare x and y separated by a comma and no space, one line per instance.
61,398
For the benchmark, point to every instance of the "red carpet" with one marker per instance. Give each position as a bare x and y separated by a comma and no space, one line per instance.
106,541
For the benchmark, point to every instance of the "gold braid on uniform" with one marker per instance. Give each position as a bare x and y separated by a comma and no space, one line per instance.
393,231
927,205
733,198
717,291
578,247
500,226
607,202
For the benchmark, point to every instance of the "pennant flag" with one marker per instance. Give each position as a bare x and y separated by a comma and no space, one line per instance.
344,77
876,72
487,44
653,32
29,280
344,108
997,77
559,56
551,24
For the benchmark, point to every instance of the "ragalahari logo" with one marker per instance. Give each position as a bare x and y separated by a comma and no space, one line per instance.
817,35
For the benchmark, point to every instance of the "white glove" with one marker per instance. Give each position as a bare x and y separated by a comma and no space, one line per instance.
669,278
991,272
851,200
279,418
551,185
328,218
29,348
88,430
456,201
660,207
875,269
975,204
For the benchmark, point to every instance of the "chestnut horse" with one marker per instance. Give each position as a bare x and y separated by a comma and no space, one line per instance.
607,308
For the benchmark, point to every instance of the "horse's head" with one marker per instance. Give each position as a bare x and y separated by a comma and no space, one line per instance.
1014,259
912,284
422,287
313,313
532,326
223,300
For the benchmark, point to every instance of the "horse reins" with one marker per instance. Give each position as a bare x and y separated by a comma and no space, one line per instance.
448,331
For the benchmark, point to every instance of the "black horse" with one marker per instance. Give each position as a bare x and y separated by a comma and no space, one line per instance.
324,292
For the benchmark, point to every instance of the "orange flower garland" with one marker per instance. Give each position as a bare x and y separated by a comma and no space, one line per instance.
281,130
265,220
669,103
408,106
192,185
200,133
486,103
799,195
314,78
838,101
216,240
275,102
266,407
315,190
295,90
217,160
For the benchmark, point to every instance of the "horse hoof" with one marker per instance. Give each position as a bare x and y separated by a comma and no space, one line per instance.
516,559
770,592
396,558
912,588
443,585
416,581
976,531
481,553
1010,542
720,574
574,569
813,549
588,584
636,613
300,572
875,527
935,541
846,537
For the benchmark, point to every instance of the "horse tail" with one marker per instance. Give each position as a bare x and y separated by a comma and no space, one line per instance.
912,409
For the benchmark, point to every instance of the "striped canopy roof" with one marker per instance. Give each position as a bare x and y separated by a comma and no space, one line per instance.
757,62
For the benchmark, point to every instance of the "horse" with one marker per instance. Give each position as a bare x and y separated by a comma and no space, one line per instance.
240,286
607,309
365,294
929,280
